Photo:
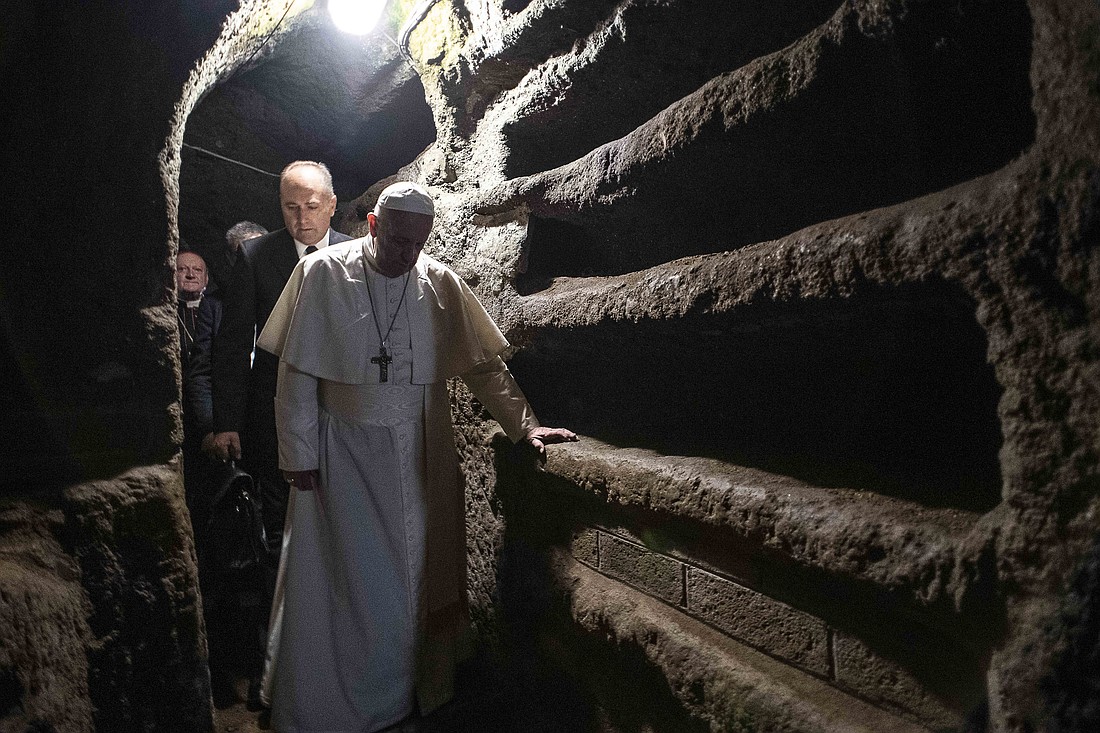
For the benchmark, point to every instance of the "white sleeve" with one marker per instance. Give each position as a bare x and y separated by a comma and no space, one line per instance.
296,419
496,388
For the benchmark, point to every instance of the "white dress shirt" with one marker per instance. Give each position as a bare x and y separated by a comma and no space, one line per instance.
302,247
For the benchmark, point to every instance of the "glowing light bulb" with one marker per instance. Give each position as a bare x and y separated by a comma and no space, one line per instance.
357,17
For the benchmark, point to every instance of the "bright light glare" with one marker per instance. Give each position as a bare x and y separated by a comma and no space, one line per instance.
357,17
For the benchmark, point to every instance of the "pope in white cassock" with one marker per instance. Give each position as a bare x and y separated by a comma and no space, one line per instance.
372,594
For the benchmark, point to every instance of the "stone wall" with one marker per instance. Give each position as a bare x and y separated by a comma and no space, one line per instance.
100,627
816,281
817,284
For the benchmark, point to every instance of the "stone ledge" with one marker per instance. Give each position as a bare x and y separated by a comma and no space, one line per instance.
825,259
717,678
888,542
765,624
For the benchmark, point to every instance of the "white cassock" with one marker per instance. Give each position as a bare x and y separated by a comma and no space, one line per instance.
372,577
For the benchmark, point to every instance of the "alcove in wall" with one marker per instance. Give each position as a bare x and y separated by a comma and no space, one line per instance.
886,391
844,119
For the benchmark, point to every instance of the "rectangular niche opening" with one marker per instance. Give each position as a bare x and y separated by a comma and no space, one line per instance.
558,248
663,52
944,98
886,391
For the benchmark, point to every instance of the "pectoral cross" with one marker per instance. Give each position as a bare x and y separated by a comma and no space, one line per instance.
383,360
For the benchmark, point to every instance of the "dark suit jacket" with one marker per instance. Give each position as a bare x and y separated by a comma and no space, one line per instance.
197,404
263,267
220,265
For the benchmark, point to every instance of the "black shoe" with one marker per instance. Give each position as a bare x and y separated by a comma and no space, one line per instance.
254,702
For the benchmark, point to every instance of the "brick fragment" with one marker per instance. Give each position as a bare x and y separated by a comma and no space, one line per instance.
655,574
861,670
768,624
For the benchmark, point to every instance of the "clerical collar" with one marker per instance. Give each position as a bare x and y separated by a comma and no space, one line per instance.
302,247
193,303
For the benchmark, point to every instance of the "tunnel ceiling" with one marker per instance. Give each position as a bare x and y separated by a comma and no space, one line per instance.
312,93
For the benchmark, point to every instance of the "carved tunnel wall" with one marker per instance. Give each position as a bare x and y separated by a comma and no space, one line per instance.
779,264
815,281
806,122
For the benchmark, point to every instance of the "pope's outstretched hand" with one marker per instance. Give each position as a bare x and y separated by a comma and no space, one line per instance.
541,437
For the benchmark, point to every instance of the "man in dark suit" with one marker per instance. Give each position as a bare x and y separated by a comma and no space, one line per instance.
199,316
243,389
225,259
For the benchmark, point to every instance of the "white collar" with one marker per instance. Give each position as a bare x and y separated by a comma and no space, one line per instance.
302,247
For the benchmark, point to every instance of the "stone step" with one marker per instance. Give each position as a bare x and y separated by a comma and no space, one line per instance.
728,684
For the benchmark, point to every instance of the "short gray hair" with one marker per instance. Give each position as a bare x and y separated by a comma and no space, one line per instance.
243,230
326,175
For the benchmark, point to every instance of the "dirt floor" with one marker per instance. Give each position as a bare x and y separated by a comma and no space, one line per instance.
237,718
476,708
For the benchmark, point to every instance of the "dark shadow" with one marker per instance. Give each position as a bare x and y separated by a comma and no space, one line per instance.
886,391
944,98
563,677
1072,686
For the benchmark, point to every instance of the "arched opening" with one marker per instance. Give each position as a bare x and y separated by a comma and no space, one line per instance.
352,102
280,84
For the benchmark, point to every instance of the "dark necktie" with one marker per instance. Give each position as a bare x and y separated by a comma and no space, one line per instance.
311,249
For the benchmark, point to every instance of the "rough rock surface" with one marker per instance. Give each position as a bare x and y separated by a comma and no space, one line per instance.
43,680
816,281
823,305
100,627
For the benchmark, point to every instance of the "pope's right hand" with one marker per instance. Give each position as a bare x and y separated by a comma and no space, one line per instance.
227,446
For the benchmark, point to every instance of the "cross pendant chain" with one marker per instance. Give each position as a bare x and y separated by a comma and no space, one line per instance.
383,360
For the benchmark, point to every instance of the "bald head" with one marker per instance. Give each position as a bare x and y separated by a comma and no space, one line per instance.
241,232
191,275
307,200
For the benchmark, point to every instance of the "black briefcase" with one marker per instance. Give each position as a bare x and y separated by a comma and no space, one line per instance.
236,543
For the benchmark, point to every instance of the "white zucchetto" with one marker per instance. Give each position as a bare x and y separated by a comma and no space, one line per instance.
405,196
